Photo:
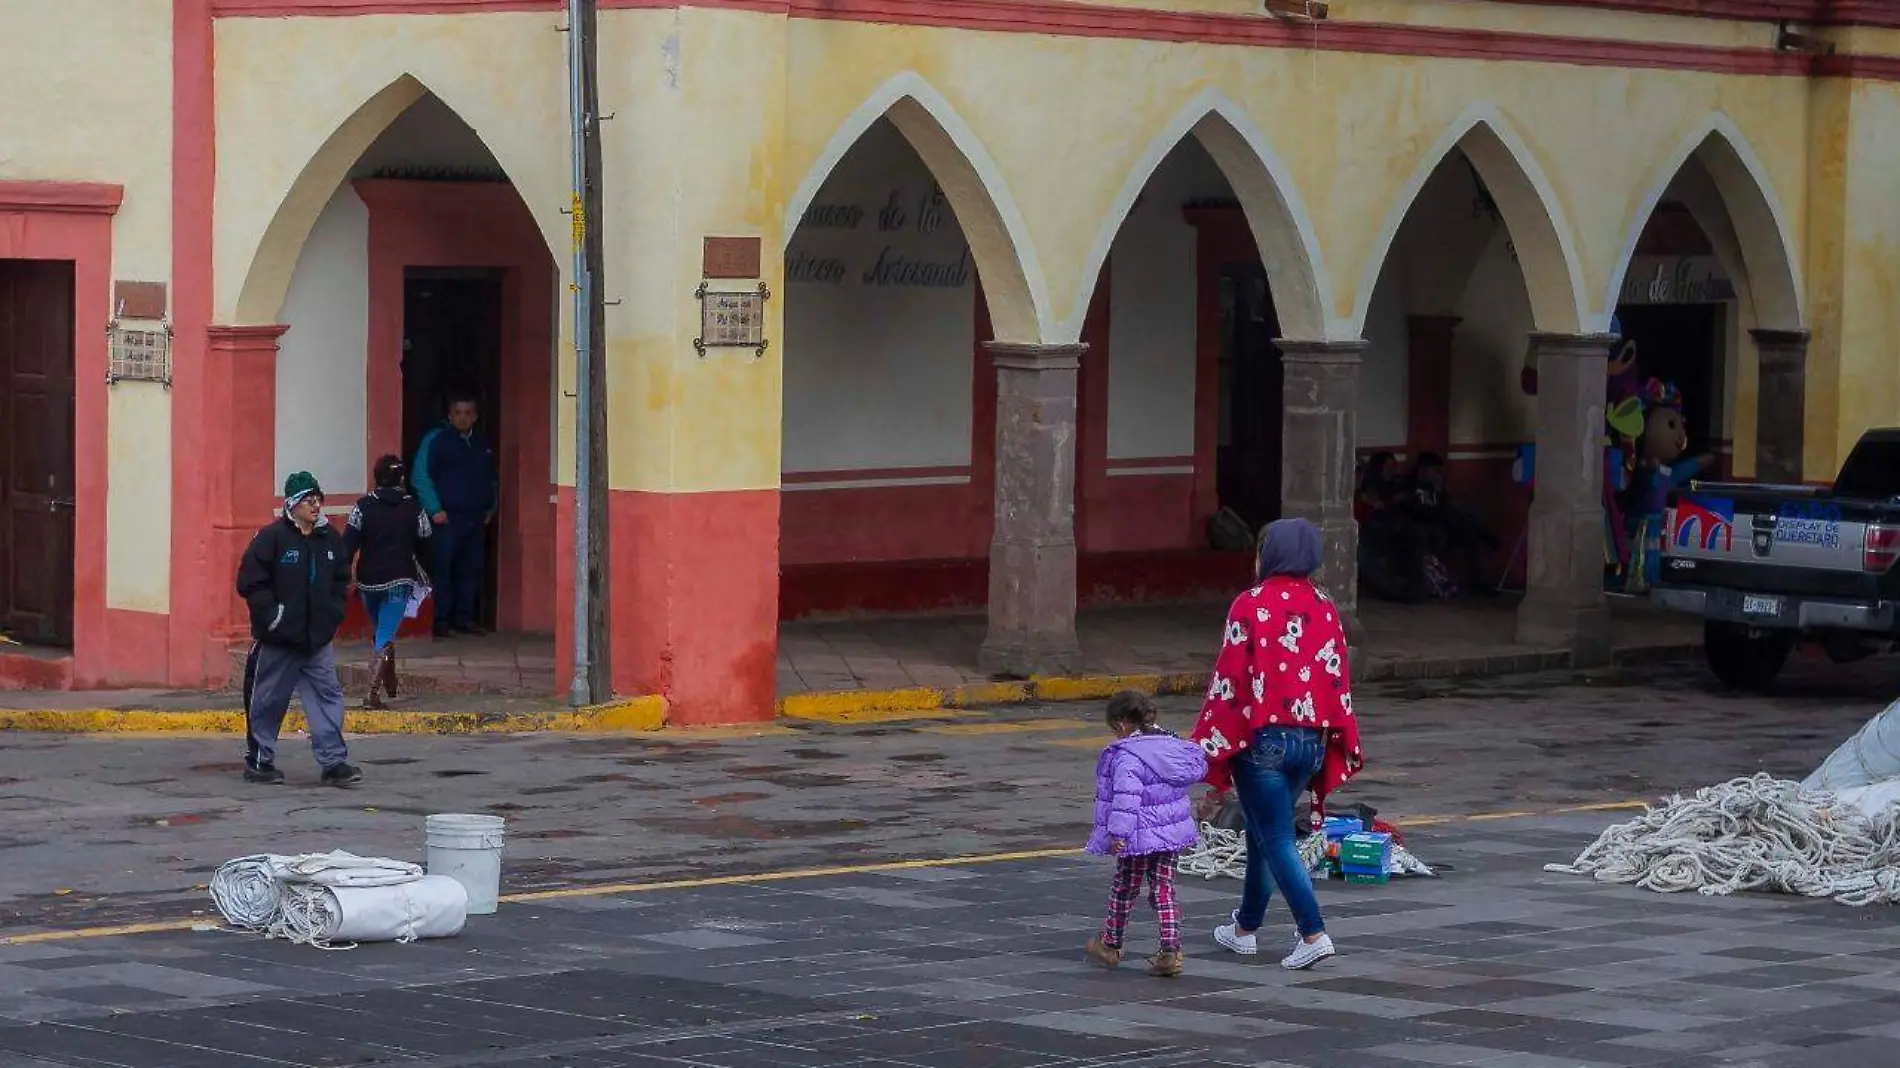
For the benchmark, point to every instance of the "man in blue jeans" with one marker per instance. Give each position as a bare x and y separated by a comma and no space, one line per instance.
455,478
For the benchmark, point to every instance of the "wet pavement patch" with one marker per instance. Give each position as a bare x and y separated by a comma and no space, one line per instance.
739,798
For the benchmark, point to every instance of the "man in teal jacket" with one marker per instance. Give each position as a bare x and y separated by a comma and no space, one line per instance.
454,475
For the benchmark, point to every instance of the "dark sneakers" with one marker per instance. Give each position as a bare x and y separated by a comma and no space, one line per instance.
340,775
265,775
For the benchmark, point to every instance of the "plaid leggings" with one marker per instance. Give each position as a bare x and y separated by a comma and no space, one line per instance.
1157,870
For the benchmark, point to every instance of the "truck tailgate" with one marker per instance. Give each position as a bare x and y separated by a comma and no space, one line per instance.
1769,539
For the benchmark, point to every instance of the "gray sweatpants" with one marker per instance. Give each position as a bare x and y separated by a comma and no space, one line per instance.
279,672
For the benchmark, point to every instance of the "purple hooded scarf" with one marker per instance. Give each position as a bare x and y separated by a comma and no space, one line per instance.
1141,795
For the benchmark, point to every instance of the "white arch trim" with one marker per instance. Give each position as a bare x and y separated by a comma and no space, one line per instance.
1315,297
911,85
1715,124
1486,114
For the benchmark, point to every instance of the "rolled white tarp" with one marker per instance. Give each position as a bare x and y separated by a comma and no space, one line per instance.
434,906
1864,773
322,898
1871,756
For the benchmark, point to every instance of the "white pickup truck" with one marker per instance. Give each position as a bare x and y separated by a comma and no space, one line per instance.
1769,567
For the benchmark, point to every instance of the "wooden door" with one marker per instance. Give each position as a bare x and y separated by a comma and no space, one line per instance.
36,451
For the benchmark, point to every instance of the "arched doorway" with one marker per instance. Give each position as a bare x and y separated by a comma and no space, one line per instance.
1472,266
1200,275
901,263
423,277
1707,291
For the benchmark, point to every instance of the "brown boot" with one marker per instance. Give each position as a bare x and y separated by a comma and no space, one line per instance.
374,701
1166,964
388,668
1103,954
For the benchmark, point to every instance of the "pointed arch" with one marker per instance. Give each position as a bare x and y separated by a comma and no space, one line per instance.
1282,228
267,278
992,223
1761,229
1532,217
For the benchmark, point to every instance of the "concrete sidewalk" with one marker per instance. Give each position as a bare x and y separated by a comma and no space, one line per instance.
884,667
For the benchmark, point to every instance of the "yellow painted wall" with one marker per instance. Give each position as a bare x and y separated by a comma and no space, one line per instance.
85,96
724,117
1868,321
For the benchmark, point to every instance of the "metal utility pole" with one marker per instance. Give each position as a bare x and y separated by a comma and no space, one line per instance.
590,684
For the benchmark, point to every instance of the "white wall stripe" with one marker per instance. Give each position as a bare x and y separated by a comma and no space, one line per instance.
875,483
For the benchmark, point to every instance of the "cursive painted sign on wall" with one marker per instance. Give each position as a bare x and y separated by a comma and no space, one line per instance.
901,221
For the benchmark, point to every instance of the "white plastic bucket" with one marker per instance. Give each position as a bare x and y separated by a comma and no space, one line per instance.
467,848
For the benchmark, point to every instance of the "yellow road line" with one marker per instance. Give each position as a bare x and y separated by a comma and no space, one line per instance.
1486,817
102,932
787,875
612,889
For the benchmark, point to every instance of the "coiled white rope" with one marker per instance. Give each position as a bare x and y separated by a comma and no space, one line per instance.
1223,854
1754,833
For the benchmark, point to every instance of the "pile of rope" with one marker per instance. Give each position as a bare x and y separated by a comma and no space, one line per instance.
1755,833
1222,853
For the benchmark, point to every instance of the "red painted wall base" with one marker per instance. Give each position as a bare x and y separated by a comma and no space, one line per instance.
692,601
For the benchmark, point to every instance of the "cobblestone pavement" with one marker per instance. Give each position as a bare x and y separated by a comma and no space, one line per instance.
956,964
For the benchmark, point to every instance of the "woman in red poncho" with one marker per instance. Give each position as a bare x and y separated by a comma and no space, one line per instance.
1278,720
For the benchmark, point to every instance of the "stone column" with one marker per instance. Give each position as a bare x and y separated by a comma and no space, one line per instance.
1563,606
240,457
1032,554
1428,340
1780,404
1318,454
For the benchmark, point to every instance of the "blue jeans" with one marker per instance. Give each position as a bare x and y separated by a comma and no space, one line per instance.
1270,775
461,560
385,608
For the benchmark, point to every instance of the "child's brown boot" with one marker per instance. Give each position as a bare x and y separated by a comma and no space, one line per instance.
1103,954
1167,963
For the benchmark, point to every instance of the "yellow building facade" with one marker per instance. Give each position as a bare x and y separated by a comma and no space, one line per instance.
1013,258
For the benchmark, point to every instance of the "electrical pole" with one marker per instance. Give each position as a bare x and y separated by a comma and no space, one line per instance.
590,684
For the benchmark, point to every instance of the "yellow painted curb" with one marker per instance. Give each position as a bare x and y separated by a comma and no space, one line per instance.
930,702
630,715
635,714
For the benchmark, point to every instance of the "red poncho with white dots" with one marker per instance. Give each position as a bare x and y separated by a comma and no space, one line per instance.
1282,663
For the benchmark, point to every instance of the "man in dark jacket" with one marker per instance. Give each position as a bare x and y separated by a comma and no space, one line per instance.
455,478
295,579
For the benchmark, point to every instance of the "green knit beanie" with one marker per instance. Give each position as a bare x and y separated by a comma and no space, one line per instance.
300,485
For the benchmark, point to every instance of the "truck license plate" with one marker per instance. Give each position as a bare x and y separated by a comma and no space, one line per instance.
1761,606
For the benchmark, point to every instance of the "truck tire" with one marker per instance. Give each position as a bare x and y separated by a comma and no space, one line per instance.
1744,658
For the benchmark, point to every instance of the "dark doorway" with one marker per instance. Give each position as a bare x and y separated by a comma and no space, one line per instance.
1247,463
1681,343
452,344
36,451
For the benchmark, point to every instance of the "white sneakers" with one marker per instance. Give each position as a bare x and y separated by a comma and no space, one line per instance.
1231,940
1305,954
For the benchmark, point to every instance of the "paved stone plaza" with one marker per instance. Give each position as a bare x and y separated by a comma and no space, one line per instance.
952,964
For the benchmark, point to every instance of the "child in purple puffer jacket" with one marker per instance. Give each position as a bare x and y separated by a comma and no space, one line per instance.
1144,820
